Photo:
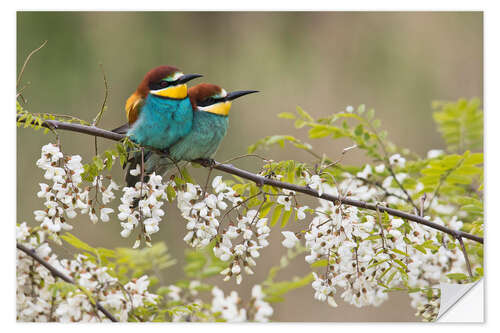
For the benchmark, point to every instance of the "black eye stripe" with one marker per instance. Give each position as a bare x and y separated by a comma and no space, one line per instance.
210,101
161,84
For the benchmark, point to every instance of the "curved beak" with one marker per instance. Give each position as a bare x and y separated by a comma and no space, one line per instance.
188,77
237,94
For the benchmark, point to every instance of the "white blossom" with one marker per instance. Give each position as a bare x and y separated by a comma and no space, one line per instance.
380,168
397,160
290,239
434,153
36,301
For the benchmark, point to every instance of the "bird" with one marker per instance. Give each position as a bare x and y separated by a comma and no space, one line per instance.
211,105
159,112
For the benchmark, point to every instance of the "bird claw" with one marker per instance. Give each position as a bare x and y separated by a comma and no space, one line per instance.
207,162
165,151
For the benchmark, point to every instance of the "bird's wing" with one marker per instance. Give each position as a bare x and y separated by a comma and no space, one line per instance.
133,107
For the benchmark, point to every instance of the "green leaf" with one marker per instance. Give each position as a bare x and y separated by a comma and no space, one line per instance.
319,132
460,123
358,131
98,162
304,114
319,263
400,252
286,115
171,194
370,114
266,207
420,248
457,276
276,214
286,217
77,243
275,291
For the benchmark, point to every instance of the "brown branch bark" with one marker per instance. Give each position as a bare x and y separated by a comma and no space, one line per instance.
261,180
60,275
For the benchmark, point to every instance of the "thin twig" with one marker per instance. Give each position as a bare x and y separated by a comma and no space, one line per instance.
103,107
379,219
389,166
60,275
27,60
245,155
344,151
206,183
466,257
262,180
441,182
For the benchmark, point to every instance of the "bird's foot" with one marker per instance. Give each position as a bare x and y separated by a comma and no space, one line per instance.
165,152
206,162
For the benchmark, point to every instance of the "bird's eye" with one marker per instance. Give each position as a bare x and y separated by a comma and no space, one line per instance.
164,84
208,101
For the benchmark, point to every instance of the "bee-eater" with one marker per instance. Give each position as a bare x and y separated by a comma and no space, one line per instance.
211,105
159,112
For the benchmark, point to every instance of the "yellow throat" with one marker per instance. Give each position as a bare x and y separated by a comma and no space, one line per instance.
176,92
219,108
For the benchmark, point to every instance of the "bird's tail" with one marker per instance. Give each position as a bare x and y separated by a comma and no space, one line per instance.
134,163
123,129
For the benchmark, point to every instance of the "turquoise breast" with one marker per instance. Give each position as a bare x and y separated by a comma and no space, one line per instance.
204,139
162,122
201,142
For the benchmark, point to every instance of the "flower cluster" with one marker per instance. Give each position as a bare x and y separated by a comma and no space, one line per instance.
65,195
429,310
40,298
334,235
258,309
202,215
364,257
314,182
142,204
240,241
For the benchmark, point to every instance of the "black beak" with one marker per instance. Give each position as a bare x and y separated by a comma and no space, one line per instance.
188,77
238,94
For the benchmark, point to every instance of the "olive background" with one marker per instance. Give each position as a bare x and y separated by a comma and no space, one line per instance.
395,62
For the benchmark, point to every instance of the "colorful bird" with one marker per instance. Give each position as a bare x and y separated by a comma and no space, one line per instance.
211,105
159,112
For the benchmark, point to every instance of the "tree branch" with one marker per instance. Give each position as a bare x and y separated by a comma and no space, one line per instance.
60,275
261,180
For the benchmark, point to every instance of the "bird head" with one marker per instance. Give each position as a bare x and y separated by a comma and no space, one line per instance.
211,98
166,82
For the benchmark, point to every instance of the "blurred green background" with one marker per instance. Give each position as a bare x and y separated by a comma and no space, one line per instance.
394,62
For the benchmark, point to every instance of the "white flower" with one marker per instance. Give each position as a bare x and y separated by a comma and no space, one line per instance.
397,160
36,302
396,223
93,217
290,239
301,212
263,309
349,108
285,199
22,231
331,302
434,153
136,171
380,168
218,185
104,214
367,171
314,182
227,306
